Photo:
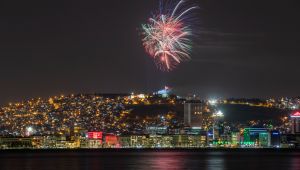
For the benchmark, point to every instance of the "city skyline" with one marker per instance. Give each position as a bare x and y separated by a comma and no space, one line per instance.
159,120
243,49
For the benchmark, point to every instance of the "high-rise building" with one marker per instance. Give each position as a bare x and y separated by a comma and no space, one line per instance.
218,125
295,117
193,113
275,138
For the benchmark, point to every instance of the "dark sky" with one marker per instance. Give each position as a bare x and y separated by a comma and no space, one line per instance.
246,48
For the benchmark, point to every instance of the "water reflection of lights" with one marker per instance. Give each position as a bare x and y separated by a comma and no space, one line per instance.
215,163
295,162
167,160
184,160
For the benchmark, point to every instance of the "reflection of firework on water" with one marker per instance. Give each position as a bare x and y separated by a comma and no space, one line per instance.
166,37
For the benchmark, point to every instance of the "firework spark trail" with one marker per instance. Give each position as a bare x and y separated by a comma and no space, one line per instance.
166,36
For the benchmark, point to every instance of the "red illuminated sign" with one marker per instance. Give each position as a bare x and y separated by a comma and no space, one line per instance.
95,135
295,114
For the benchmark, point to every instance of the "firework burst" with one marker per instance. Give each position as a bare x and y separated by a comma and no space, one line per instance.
166,36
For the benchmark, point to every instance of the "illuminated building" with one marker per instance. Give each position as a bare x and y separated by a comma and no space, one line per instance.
111,140
154,141
160,141
166,141
192,131
155,130
84,142
203,139
15,143
295,118
193,115
180,141
125,141
210,137
49,142
95,135
197,140
264,139
92,143
62,143
188,141
235,138
275,139
289,140
138,141
94,139
252,136
218,125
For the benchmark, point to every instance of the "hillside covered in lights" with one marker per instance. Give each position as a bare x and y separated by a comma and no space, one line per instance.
119,114
113,113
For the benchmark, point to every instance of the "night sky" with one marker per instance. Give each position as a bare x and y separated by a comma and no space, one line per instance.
245,48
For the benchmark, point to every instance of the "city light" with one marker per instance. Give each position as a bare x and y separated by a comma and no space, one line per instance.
296,114
218,114
95,135
119,122
212,102
29,131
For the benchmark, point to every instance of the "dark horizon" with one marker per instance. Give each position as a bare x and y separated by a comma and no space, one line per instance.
244,49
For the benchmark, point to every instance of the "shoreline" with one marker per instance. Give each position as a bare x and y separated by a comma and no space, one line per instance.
120,150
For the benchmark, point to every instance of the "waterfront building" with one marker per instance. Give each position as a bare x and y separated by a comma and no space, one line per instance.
17,142
49,142
95,139
264,139
275,139
251,136
111,141
138,141
94,143
218,125
295,118
235,139
180,141
197,141
84,142
125,141
160,141
290,141
37,142
193,113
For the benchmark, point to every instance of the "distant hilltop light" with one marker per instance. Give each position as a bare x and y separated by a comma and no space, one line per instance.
164,92
218,114
212,102
139,96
